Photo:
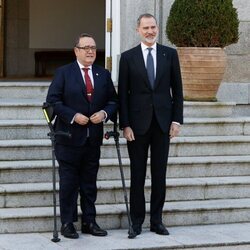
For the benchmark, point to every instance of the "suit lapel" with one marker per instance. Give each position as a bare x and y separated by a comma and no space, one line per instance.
78,77
140,65
98,81
159,65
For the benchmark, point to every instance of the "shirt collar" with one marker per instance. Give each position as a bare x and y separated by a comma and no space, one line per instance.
144,47
81,66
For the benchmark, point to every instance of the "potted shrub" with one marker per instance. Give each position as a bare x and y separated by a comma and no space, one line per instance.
200,30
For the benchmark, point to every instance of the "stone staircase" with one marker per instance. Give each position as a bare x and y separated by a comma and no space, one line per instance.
208,178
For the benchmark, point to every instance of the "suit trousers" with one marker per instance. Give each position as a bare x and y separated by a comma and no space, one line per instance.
78,167
158,142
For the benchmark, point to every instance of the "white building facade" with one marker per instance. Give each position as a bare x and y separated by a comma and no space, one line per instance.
28,26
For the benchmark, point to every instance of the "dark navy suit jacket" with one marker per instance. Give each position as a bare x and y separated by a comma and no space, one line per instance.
137,99
67,94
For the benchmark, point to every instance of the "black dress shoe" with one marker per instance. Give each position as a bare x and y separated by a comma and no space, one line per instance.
136,229
159,229
94,229
68,230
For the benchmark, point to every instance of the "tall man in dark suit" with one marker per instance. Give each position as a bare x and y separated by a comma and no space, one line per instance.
83,97
151,111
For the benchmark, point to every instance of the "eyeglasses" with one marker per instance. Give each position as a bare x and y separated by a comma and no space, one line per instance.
87,48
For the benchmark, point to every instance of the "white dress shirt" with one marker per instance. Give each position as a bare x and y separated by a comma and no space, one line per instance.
89,72
145,54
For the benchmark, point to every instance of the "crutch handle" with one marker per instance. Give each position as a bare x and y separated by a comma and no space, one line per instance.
109,134
61,133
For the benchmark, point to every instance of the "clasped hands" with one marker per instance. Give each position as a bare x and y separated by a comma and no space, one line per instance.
96,118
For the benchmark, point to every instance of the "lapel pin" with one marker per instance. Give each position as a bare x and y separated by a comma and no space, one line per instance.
97,74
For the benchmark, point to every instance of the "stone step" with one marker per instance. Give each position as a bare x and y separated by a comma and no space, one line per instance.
21,109
194,146
27,109
23,129
181,146
30,89
178,167
111,192
30,129
113,216
24,89
208,109
217,126
233,236
208,174
208,166
38,129
210,146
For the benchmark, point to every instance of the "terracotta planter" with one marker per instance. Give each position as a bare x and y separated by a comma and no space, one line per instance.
202,72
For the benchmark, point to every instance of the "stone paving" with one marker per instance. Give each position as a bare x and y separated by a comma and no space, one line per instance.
214,237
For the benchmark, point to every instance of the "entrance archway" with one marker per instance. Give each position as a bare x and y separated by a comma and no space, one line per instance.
43,27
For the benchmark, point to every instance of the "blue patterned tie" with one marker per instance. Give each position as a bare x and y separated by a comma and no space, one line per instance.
150,68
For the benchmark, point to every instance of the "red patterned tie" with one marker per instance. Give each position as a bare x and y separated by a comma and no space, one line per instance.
89,86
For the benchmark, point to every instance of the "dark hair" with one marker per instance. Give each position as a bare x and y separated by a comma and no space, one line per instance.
81,36
146,15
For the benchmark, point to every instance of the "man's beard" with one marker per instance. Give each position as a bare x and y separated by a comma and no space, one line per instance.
150,40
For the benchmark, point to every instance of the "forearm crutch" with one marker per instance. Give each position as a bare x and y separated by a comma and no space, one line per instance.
115,134
49,116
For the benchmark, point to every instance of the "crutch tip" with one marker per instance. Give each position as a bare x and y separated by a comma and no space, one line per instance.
55,239
132,234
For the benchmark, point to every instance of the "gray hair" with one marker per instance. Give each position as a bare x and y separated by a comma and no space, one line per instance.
146,15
